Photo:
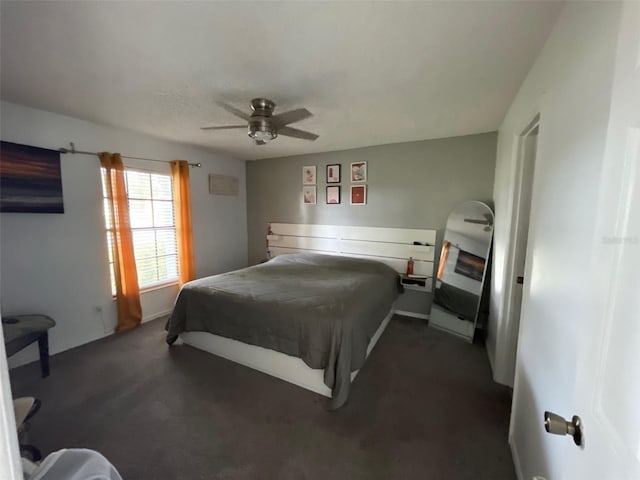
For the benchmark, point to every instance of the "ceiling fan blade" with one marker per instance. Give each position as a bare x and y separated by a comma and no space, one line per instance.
294,132
291,116
234,110
226,127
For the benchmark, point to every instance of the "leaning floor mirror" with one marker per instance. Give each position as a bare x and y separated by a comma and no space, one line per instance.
462,270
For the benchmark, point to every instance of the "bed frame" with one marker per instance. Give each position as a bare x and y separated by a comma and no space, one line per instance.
392,246
280,365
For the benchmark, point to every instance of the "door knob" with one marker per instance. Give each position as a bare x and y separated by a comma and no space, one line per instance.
557,425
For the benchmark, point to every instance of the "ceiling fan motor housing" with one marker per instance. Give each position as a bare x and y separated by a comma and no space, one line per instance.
262,106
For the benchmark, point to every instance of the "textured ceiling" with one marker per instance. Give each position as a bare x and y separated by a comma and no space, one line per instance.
371,73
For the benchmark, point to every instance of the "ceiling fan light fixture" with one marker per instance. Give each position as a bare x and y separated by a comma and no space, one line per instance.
261,130
262,136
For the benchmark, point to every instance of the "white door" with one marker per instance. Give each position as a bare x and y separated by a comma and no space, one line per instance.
607,387
579,350
529,147
10,466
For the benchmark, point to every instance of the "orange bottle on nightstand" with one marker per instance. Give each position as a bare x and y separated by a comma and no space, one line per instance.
410,266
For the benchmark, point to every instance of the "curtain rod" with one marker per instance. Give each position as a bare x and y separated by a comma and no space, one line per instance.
73,151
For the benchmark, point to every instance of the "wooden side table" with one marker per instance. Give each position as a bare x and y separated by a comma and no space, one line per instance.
21,331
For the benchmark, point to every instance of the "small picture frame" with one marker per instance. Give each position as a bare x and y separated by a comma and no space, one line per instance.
333,195
358,194
359,172
309,195
333,173
309,175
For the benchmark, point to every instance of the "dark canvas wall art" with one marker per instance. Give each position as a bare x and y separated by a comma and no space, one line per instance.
470,265
30,179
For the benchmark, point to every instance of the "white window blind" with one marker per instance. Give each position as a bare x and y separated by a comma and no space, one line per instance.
153,227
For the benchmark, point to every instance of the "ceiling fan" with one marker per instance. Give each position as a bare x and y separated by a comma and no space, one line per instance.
263,126
488,221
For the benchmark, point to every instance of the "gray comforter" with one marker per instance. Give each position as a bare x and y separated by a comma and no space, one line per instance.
322,309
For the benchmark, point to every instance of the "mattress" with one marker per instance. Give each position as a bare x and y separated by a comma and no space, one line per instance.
323,309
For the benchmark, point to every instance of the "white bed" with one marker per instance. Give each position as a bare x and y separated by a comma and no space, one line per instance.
279,365
391,246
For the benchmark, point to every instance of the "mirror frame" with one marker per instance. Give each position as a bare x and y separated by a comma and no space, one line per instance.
447,320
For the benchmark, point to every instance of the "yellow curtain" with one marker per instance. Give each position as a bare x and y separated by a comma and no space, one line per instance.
126,275
182,209
444,255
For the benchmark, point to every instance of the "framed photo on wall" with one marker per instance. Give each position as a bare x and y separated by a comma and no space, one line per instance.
333,173
309,195
359,172
309,175
333,195
358,194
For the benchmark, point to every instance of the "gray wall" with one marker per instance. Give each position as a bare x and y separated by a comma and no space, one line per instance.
409,185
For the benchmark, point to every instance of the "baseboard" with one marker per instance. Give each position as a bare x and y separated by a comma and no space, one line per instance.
405,313
516,459
451,332
153,316
30,354
493,370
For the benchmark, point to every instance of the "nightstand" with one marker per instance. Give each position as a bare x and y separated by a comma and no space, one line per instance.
416,299
421,284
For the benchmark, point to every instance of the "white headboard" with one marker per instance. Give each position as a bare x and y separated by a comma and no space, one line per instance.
392,246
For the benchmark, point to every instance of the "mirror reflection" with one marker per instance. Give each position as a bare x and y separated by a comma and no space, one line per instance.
462,269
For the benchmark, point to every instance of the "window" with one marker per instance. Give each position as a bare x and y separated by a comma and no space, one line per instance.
153,227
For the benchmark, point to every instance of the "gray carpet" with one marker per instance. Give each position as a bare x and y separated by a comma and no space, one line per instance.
424,407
